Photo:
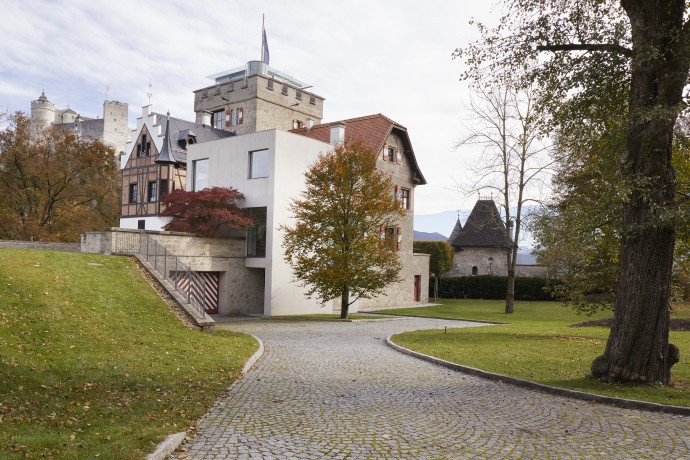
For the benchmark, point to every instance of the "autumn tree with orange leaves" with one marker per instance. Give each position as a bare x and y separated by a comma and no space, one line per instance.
335,247
54,185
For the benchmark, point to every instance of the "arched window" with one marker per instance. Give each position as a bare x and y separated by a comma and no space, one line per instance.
475,271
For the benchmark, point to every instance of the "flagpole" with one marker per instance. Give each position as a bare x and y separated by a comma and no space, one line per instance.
265,55
263,33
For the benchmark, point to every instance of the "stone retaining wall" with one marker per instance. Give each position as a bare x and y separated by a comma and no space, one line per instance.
240,289
63,247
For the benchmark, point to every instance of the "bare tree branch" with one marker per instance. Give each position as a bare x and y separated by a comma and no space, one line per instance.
611,47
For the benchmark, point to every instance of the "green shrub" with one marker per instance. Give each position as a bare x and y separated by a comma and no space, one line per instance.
493,287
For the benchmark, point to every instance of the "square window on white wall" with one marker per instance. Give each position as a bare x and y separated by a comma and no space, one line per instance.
258,164
200,181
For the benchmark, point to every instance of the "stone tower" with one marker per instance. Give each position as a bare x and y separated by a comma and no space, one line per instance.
255,98
115,131
42,112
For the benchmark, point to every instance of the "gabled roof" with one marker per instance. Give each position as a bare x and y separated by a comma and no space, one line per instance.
484,228
372,131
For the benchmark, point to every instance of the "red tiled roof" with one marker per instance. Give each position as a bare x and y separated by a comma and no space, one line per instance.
372,130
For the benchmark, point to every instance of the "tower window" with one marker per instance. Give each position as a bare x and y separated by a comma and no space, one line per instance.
219,119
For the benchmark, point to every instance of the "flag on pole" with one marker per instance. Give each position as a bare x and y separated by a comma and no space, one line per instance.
264,44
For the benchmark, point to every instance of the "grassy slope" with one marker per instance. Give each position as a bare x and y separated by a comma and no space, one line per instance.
92,362
538,345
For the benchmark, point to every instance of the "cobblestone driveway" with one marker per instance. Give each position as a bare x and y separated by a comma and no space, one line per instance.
335,390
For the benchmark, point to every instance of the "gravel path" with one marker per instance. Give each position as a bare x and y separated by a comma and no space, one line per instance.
335,390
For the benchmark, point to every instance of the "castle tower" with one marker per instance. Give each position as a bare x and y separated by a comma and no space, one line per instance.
42,112
115,131
255,98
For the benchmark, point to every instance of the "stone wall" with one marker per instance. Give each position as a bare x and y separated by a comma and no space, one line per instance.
530,271
240,289
62,247
465,260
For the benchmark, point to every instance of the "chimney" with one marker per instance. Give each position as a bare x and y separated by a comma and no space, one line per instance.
146,111
205,118
310,124
338,134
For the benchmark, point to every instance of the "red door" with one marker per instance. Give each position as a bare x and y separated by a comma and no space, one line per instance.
417,287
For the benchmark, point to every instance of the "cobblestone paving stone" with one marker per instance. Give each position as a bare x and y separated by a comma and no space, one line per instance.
336,391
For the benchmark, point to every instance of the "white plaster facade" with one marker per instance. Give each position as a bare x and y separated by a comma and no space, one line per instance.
288,158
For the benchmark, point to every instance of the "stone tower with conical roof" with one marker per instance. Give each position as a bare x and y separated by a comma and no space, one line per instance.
42,112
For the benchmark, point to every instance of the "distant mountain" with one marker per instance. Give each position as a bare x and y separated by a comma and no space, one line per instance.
426,236
525,257
441,222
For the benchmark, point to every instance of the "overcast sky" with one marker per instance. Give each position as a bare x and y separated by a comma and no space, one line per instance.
363,56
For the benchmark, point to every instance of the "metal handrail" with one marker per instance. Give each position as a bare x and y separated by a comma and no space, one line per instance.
163,262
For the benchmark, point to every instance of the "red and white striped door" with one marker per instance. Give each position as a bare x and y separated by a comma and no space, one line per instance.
203,287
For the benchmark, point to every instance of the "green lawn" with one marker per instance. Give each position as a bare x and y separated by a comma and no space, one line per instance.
539,345
94,364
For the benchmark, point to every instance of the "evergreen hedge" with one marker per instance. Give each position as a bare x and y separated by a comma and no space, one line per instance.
493,287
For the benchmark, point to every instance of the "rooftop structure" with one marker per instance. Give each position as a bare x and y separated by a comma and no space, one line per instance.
255,98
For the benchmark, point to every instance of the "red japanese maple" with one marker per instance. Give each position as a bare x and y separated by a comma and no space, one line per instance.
210,212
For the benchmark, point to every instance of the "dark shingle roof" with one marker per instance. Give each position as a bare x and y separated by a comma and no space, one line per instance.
484,228
456,231
203,133
372,131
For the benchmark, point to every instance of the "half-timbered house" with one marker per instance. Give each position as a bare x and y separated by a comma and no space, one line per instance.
156,163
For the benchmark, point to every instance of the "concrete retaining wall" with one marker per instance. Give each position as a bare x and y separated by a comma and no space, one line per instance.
240,289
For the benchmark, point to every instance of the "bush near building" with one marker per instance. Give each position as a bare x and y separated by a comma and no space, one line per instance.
494,288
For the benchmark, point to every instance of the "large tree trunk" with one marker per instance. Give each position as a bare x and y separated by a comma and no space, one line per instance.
638,348
344,302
